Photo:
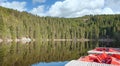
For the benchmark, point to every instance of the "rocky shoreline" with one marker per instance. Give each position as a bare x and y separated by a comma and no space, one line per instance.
26,39
82,40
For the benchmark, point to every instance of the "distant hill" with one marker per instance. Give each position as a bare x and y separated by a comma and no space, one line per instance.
15,24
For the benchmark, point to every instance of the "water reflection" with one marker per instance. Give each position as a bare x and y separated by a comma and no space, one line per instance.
51,64
18,54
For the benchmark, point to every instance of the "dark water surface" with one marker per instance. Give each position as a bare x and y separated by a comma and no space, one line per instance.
46,53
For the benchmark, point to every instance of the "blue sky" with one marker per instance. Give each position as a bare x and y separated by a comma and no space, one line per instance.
64,8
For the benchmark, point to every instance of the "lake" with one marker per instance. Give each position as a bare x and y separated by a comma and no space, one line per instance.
46,53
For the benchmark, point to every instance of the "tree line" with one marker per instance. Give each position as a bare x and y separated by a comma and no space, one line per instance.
15,24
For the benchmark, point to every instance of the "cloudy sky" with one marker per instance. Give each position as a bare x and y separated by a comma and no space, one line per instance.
64,8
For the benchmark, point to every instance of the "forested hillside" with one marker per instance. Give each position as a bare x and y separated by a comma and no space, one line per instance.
14,24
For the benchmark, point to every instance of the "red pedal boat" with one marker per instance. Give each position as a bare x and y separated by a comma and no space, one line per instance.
103,55
107,49
100,50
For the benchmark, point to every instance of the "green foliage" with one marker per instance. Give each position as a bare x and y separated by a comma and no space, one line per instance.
14,24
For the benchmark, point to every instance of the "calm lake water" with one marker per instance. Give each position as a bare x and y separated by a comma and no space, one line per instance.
46,53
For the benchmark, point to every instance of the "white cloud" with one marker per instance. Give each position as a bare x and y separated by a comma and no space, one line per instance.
77,8
20,6
38,11
113,4
39,1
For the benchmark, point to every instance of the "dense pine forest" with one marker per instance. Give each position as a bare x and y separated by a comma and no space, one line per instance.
15,24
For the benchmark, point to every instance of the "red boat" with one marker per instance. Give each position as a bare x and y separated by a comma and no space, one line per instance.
103,57
100,50
107,49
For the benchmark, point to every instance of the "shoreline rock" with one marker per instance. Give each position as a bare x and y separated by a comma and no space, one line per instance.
1,40
23,40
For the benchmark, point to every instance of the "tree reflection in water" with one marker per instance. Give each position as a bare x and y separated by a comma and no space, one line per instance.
18,54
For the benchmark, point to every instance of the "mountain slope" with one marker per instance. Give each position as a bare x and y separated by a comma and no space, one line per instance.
14,24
